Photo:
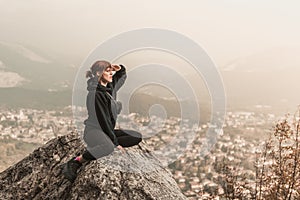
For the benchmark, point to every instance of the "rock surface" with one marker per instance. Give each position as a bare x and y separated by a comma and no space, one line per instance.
136,174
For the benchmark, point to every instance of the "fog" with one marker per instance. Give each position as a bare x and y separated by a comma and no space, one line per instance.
227,29
240,33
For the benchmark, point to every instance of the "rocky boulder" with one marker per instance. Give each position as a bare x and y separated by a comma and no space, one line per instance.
136,174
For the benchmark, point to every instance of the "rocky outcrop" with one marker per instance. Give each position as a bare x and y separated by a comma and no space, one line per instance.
136,174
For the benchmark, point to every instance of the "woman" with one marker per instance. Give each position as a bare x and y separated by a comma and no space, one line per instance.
99,133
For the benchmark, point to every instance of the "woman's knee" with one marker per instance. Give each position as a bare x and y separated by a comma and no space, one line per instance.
135,136
134,133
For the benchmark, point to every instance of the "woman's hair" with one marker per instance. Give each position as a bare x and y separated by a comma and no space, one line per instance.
98,66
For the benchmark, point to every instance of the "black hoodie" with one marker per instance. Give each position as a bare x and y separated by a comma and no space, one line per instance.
102,105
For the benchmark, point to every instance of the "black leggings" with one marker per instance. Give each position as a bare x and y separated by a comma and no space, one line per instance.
99,144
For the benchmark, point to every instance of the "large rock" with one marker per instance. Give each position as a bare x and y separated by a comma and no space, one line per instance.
136,174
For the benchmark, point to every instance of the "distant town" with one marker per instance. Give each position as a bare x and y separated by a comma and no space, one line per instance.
191,155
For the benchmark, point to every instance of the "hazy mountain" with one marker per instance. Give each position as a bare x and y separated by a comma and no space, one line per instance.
11,79
265,81
271,60
32,78
31,68
267,78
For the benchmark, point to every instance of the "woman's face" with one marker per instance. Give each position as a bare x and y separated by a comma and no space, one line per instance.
107,75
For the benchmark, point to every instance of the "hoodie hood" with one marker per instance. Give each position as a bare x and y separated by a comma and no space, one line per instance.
93,85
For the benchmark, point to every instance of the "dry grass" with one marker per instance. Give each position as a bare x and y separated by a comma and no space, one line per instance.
277,167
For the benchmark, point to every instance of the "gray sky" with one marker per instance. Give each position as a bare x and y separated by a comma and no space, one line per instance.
227,29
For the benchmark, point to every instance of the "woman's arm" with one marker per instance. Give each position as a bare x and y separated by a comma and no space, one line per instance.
119,78
103,116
